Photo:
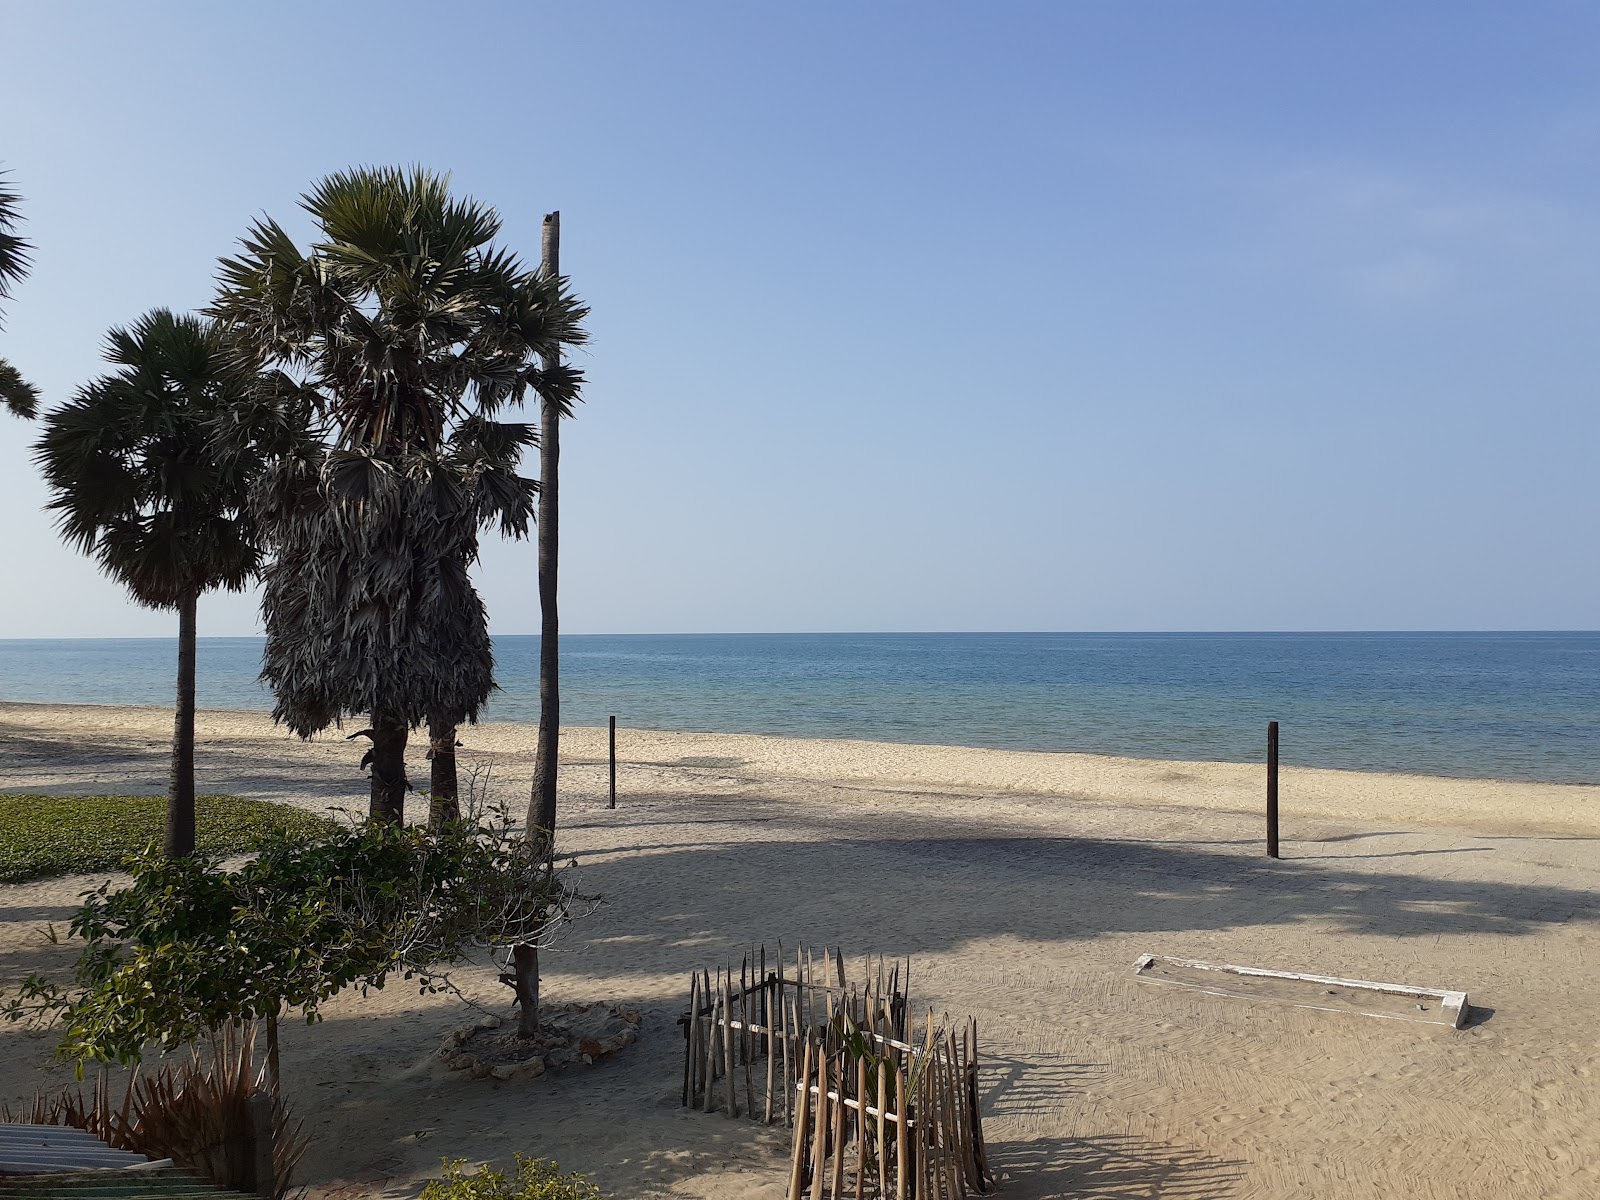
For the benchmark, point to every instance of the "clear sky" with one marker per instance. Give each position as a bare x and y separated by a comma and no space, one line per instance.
931,316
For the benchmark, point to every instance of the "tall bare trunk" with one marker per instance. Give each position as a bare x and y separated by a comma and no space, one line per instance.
179,841
388,802
542,804
444,789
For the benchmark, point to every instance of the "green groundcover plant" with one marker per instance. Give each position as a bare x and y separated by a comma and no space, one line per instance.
534,1179
43,836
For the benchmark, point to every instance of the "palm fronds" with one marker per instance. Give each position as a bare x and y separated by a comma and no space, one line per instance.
18,395
136,479
395,339
14,250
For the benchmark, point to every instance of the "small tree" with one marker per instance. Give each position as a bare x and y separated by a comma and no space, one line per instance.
137,480
189,947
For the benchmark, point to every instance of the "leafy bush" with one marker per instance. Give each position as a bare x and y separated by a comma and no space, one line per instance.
535,1179
189,946
41,836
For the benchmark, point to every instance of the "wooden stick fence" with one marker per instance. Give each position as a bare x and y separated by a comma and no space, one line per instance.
876,1111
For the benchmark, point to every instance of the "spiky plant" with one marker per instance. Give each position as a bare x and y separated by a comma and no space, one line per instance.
405,331
137,482
194,1111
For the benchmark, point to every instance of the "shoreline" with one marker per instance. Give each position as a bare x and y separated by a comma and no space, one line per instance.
1358,798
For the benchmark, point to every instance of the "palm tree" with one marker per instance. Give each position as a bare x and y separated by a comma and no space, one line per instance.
16,393
138,483
404,330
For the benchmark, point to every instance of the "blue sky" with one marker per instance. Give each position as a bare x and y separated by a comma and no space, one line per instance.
988,316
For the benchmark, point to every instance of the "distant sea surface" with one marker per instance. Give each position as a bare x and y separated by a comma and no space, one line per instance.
1476,705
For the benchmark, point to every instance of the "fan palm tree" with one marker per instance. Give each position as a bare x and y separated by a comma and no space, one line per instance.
16,393
137,482
405,330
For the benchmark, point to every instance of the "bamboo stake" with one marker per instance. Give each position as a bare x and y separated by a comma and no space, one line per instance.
772,1039
924,1180
811,1013
979,1150
746,1005
694,1040
907,1021
925,1121
819,1152
935,1115
711,1047
944,1160
900,1131
801,1132
958,1117
939,1142
861,1128
827,986
783,1047
969,1109
727,1046
839,1127
883,1141
947,1096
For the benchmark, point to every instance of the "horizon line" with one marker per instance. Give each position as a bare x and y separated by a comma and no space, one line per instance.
222,637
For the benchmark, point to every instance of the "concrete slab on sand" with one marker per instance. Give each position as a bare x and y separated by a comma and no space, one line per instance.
1327,993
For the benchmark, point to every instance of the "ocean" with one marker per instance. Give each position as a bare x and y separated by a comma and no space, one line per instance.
1522,706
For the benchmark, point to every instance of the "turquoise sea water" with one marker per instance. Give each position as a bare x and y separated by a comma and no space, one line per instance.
1488,705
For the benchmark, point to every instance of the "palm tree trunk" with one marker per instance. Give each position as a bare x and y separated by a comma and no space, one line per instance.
388,802
180,790
542,804
443,791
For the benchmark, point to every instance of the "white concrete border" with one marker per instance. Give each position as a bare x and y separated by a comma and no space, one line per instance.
1453,1004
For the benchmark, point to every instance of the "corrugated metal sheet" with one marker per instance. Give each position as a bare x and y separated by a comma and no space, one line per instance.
56,1162
28,1149
161,1184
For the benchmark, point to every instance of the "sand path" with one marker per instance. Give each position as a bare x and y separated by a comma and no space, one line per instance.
1023,886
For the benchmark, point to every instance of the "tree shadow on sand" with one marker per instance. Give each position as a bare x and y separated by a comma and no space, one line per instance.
934,893
1112,1167
1025,1086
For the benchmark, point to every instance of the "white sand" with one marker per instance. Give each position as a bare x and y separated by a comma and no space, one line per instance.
1023,885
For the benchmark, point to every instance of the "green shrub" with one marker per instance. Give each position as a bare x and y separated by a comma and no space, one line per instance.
41,836
189,945
535,1179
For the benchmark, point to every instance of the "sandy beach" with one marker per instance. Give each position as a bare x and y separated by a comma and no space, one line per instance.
1023,886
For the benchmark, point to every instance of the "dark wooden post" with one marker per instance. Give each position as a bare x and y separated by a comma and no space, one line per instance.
263,1173
613,762
1272,789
